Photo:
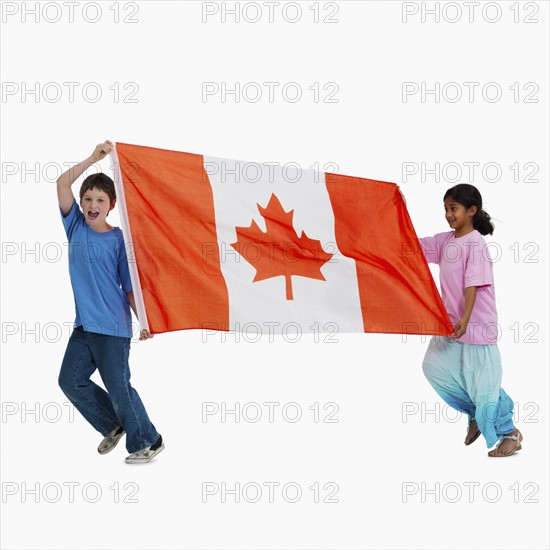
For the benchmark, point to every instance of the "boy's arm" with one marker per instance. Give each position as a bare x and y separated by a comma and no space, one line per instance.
130,296
65,180
144,333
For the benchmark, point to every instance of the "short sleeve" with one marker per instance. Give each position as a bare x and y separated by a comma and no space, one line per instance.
479,266
123,269
430,247
70,221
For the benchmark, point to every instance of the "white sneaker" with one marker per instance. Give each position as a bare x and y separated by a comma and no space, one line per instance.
147,454
110,441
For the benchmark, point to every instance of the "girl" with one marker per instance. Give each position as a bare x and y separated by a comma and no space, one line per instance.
465,369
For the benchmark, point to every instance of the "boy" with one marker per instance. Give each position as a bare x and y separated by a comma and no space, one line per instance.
98,267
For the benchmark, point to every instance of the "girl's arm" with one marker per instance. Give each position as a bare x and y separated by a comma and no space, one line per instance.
429,245
470,294
403,196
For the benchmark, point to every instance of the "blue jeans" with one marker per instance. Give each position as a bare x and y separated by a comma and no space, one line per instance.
468,377
120,405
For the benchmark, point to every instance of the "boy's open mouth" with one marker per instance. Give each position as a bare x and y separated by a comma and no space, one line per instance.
93,215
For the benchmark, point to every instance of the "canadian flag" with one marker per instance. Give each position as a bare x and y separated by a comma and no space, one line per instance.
222,244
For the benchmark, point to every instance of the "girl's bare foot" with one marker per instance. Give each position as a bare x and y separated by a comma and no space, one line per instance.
473,433
508,446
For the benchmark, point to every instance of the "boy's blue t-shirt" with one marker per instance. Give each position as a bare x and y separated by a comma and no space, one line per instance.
98,267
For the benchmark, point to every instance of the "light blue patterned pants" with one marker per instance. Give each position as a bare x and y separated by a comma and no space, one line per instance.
468,377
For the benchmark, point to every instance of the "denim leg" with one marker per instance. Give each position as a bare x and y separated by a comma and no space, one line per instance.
88,398
111,354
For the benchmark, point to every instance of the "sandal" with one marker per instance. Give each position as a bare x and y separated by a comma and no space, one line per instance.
516,438
476,435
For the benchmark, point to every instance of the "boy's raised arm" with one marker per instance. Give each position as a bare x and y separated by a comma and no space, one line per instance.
65,180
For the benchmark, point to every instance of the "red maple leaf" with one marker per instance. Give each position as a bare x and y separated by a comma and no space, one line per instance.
279,251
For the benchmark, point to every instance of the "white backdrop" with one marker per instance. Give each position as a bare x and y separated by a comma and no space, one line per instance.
389,90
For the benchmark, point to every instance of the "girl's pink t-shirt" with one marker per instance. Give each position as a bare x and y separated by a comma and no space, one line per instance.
465,262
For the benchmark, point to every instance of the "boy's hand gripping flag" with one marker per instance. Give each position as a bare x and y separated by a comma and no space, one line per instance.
230,245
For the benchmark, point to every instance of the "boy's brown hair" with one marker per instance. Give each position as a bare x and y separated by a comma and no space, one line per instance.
100,181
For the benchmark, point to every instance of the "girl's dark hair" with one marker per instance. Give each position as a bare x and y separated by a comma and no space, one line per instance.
467,195
100,181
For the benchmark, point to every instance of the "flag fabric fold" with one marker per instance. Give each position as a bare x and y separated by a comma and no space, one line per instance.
222,244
